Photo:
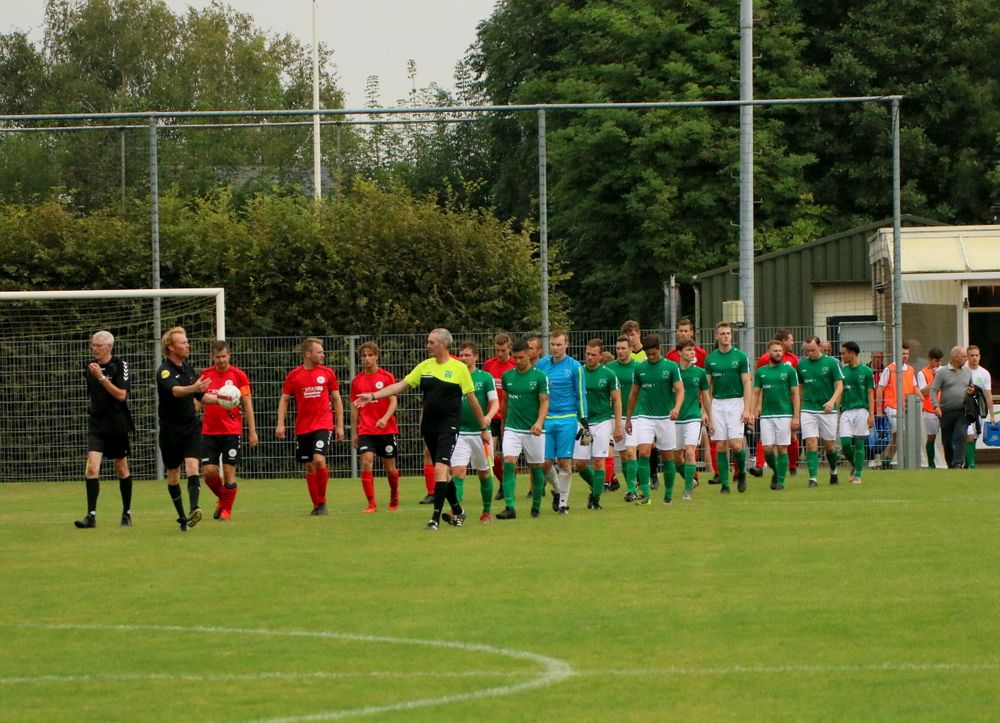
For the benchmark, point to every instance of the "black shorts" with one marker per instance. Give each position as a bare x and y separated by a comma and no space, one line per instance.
385,446
178,444
495,426
440,440
312,443
113,445
226,446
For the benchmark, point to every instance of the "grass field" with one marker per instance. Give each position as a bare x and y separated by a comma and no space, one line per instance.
857,602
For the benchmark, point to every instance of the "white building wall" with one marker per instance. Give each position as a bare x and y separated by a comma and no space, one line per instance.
840,300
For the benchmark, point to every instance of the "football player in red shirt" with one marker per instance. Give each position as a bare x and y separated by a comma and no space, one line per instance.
313,386
222,429
497,366
787,340
373,426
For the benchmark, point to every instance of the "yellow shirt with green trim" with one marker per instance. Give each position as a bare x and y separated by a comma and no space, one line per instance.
443,386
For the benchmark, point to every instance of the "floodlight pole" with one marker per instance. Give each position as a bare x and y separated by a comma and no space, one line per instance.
317,168
746,175
154,214
543,228
897,289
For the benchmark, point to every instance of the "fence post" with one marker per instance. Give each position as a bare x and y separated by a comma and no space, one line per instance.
352,371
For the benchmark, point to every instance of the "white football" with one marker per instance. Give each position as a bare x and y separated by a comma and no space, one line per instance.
229,396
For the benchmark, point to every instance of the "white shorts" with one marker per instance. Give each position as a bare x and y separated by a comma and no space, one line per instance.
890,414
660,432
469,452
515,442
932,424
971,432
628,439
820,425
601,444
688,433
854,423
727,419
776,431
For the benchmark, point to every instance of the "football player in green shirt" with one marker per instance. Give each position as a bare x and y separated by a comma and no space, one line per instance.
470,449
604,414
821,385
693,413
857,414
730,383
654,402
776,402
623,367
524,407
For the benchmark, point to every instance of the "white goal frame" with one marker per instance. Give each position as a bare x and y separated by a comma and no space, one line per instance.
218,293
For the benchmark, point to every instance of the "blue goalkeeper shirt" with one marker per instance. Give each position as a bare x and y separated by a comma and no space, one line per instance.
567,388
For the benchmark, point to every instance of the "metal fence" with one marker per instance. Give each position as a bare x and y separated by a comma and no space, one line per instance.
50,442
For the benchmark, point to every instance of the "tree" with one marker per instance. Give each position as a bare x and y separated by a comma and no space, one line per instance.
372,261
136,55
647,193
945,59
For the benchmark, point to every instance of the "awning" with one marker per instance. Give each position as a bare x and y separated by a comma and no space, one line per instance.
942,251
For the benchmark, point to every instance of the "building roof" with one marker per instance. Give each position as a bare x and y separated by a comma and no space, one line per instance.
866,229
942,251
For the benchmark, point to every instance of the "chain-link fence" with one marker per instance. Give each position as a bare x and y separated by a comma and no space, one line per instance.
50,442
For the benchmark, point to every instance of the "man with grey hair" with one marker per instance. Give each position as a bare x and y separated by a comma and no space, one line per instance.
951,385
108,425
443,380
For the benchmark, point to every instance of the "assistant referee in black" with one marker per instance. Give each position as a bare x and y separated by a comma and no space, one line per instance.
179,390
108,425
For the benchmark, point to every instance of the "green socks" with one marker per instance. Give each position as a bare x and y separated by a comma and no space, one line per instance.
722,462
859,456
741,460
588,476
630,468
459,483
509,483
812,462
538,487
970,454
832,457
486,491
643,475
847,448
781,468
689,477
669,473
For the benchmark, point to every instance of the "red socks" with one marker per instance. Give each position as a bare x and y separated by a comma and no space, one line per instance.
215,484
429,481
609,469
311,484
393,488
322,476
368,486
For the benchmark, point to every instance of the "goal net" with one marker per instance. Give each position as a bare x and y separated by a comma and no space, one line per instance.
44,352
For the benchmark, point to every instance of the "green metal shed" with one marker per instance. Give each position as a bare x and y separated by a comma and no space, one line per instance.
787,282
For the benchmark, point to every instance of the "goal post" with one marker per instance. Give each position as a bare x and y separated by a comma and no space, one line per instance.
45,348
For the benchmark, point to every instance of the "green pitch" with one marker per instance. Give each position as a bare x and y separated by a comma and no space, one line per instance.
876,602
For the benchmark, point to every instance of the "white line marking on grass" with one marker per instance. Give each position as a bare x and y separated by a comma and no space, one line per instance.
817,668
268,675
553,669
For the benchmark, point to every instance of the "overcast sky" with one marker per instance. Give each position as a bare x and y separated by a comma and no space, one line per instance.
368,37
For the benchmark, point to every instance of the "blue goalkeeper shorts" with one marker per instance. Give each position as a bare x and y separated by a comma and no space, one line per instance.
560,438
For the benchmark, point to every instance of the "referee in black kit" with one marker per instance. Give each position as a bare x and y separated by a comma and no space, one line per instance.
108,425
179,390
